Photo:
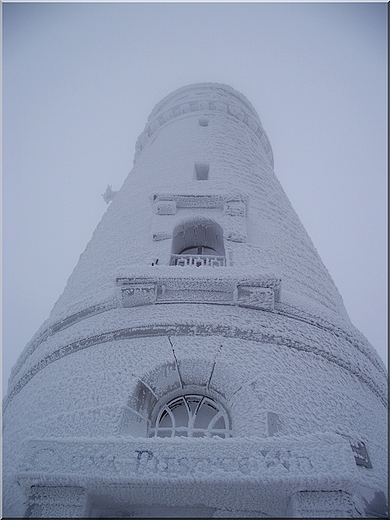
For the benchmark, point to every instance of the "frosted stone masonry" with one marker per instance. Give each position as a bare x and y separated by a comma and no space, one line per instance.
199,280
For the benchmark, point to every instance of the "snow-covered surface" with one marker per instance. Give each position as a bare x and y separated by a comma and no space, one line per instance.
207,99
274,469
225,320
268,333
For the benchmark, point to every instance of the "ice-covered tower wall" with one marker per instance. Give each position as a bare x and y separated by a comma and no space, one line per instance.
259,325
216,128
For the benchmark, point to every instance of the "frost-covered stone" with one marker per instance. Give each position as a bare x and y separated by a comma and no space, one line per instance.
200,281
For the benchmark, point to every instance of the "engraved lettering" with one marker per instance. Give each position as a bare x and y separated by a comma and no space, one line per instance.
139,457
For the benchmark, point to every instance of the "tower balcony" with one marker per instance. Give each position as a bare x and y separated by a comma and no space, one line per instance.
199,260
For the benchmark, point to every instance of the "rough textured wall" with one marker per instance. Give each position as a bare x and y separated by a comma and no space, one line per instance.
267,333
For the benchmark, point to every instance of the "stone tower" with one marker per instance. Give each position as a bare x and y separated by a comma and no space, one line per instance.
200,361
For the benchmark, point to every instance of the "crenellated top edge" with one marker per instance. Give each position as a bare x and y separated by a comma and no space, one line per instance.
205,97
198,91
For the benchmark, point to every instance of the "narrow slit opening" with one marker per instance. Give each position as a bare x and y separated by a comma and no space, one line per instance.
202,171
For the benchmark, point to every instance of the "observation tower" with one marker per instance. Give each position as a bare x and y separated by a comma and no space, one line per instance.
200,361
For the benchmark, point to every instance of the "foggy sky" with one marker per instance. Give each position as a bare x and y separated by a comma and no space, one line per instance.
79,81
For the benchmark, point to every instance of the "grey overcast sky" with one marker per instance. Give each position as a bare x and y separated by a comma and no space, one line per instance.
80,79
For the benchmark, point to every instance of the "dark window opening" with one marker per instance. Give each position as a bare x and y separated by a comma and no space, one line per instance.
198,244
202,171
199,250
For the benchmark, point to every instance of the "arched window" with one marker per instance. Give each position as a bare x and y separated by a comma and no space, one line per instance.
191,415
198,243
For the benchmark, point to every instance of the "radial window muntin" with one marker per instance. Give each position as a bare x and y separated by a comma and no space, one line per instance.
191,415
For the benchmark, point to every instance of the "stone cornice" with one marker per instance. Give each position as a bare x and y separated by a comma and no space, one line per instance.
269,327
205,101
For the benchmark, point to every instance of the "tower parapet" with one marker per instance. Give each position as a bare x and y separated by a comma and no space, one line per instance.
201,98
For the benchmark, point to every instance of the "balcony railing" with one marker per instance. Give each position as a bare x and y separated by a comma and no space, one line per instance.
198,260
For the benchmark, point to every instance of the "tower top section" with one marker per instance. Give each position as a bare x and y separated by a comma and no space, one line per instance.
204,98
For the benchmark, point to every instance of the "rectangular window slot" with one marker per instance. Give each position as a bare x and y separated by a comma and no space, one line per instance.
361,455
202,171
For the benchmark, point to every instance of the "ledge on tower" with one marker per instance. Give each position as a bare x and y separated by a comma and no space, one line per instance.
225,289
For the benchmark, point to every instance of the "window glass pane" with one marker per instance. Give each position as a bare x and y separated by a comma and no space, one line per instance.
204,416
192,416
165,421
180,413
220,424
189,251
209,251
